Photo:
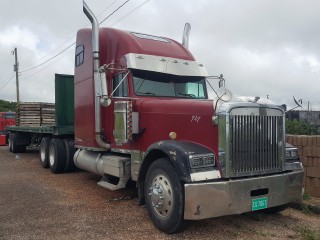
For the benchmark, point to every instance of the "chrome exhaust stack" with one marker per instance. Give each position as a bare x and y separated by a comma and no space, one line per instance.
100,87
185,36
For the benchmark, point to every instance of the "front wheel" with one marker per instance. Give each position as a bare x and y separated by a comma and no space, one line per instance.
164,197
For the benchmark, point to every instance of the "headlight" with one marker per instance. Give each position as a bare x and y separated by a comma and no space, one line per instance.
202,160
291,153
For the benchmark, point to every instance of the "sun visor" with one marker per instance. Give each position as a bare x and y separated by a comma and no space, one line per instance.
166,65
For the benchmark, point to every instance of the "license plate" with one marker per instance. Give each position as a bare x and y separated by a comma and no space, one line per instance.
259,203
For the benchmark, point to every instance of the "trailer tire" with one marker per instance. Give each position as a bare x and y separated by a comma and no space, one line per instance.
22,148
164,196
70,150
57,154
44,152
10,142
14,146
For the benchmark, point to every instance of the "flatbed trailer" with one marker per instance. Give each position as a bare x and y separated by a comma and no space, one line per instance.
61,132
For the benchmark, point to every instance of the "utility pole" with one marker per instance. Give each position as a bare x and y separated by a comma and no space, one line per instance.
16,69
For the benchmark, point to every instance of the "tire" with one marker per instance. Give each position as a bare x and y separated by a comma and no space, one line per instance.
10,142
22,148
57,154
277,209
44,152
14,147
70,150
164,196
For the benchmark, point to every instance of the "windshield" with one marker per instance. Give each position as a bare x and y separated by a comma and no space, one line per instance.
8,115
167,85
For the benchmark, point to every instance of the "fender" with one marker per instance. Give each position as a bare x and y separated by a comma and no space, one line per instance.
178,153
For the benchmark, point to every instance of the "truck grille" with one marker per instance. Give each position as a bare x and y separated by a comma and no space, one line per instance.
256,144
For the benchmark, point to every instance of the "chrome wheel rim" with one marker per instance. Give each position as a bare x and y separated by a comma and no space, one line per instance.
161,195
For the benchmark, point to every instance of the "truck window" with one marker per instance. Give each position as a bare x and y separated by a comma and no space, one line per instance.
79,55
8,115
167,85
122,90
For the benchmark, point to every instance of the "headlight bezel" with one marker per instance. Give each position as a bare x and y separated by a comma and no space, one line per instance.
291,153
197,161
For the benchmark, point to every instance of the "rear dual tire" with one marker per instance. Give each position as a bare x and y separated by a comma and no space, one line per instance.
44,152
57,155
69,153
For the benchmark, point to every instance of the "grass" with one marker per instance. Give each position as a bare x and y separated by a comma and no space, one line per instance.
308,234
306,196
307,210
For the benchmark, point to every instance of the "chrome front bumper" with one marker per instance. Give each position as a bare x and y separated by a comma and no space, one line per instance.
214,199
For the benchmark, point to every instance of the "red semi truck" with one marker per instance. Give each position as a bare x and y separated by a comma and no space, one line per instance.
6,119
141,112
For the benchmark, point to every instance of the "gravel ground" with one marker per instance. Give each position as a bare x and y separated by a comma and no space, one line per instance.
35,204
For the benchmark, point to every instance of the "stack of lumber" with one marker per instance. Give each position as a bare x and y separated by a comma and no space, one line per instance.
35,114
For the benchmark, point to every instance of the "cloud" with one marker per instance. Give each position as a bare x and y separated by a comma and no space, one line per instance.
16,35
266,47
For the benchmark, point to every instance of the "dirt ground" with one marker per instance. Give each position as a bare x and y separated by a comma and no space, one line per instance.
36,204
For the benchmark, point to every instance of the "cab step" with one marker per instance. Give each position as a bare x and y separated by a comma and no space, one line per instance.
115,166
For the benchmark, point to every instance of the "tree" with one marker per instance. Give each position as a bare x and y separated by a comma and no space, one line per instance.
6,106
300,127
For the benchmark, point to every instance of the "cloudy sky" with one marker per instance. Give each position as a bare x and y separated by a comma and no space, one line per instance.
263,47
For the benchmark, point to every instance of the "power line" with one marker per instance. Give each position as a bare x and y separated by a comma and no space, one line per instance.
114,11
52,51
107,8
41,69
129,13
3,86
26,70
71,37
29,69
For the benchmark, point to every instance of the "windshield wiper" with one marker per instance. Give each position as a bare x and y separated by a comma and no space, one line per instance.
147,93
187,95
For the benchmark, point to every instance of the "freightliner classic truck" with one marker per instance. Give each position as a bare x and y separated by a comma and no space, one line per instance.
141,112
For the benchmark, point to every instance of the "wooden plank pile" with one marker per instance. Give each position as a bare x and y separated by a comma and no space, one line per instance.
35,114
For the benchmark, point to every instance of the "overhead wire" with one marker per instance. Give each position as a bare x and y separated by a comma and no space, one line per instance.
49,59
123,4
41,69
5,84
114,11
29,69
69,38
129,13
4,64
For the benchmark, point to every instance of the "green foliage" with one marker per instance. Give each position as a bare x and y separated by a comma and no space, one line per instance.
6,106
306,196
300,127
